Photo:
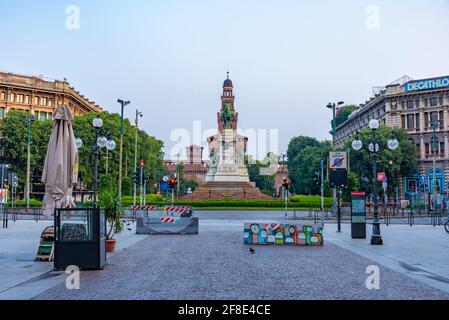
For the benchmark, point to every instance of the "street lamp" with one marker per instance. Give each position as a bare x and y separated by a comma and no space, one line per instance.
357,145
110,146
100,142
120,173
138,114
333,107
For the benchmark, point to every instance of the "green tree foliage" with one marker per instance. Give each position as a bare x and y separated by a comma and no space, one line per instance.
14,142
344,113
263,173
304,156
395,164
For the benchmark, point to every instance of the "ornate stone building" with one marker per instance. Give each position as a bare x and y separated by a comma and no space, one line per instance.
412,105
40,97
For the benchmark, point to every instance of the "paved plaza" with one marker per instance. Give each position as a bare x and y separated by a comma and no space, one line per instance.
216,265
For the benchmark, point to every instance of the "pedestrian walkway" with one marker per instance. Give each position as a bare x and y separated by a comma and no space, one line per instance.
22,277
216,265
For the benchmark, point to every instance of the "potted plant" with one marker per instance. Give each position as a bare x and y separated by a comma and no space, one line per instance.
110,202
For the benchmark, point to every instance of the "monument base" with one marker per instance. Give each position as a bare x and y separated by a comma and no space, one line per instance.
227,190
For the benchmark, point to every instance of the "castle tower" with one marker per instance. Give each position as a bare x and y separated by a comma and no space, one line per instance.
227,98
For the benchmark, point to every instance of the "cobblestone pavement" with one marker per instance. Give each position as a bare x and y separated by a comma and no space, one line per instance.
216,265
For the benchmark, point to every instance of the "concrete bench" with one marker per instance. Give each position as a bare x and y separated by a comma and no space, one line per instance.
283,234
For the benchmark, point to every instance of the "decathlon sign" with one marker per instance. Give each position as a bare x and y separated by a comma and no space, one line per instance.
427,84
338,160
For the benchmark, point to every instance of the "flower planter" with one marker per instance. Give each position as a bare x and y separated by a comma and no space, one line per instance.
110,245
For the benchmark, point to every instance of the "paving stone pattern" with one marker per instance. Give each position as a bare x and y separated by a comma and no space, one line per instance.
216,265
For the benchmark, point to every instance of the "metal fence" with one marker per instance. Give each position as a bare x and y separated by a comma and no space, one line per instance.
19,213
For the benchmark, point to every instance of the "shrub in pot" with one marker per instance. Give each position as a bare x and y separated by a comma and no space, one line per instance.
110,202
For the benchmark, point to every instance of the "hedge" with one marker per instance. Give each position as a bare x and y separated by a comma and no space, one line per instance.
244,203
33,203
312,201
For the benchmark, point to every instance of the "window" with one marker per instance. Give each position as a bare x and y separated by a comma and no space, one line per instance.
441,147
426,119
417,125
417,104
11,97
27,99
441,116
427,148
410,104
440,100
418,150
433,102
43,101
403,122
2,112
36,100
433,117
43,116
410,121
50,103
2,96
402,105
426,103
19,98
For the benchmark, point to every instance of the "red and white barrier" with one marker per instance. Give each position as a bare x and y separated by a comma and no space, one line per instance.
168,220
177,209
143,208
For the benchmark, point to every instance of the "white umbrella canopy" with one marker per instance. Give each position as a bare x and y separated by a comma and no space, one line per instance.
61,163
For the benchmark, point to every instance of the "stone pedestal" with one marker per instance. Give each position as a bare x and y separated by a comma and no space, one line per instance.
231,165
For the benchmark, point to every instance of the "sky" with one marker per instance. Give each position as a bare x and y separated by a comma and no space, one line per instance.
287,58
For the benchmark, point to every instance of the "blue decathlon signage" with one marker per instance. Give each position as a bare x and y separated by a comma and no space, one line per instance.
427,84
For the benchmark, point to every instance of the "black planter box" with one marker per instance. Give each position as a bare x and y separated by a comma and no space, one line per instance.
80,238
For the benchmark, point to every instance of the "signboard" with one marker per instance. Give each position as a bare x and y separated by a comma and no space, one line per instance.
338,161
4,196
427,84
165,186
338,178
381,177
358,215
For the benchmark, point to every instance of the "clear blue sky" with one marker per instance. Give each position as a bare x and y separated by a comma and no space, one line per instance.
287,59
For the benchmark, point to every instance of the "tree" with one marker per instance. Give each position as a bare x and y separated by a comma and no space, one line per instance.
15,139
14,144
396,164
344,114
304,157
263,173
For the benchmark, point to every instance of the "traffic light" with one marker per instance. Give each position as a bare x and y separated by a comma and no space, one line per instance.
136,178
285,183
173,182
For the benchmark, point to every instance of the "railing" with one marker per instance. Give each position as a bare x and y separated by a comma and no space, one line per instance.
20,213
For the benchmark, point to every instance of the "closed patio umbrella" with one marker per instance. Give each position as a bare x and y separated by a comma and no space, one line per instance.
61,163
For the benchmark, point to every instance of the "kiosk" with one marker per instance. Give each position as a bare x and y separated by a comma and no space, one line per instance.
358,215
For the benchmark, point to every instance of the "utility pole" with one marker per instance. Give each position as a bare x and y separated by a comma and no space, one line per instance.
333,107
142,166
177,176
138,114
120,169
435,124
28,122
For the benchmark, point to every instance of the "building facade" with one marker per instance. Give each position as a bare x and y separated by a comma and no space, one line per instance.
40,97
413,106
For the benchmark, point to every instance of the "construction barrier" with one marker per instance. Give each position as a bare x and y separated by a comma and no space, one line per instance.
283,234
172,220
